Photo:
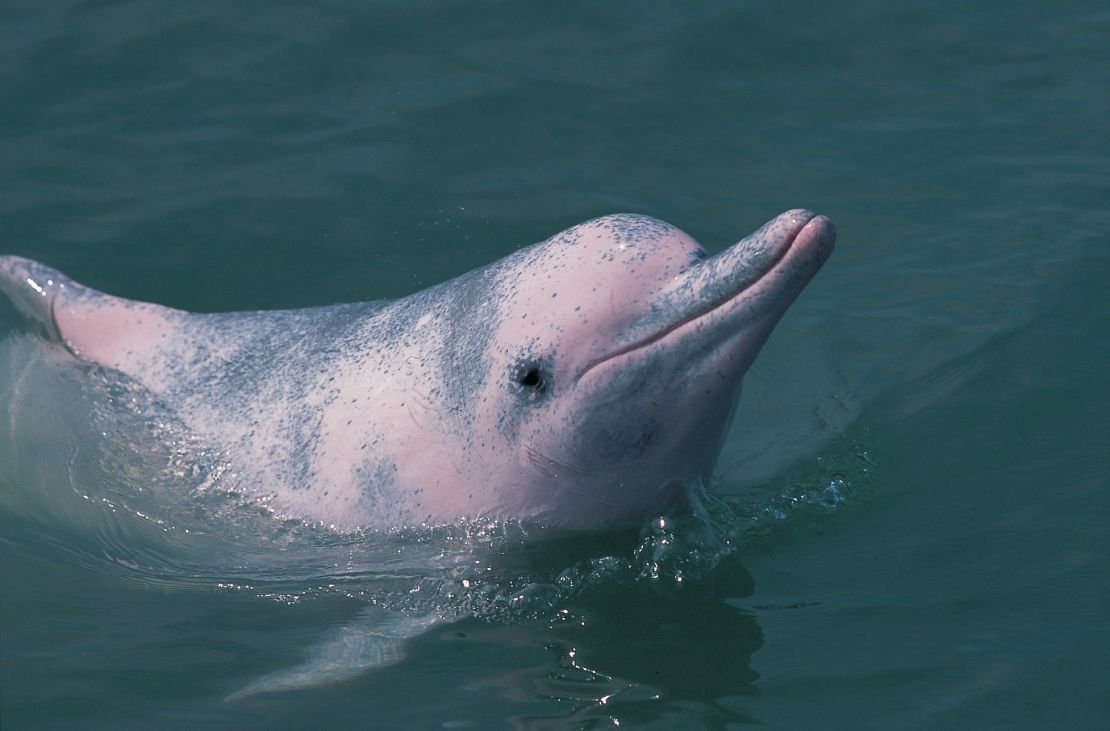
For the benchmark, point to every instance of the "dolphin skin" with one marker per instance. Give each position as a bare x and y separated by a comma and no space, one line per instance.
582,382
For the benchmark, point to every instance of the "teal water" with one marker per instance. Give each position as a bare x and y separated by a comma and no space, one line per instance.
916,492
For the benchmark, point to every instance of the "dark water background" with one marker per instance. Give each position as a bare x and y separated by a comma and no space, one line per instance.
918,480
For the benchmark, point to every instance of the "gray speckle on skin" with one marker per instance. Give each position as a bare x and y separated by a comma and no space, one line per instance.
577,382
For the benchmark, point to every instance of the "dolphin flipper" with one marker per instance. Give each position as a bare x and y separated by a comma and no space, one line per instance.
96,327
373,639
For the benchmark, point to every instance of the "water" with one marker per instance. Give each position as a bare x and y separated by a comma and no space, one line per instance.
909,523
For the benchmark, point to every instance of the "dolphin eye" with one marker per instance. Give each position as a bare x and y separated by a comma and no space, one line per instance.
531,376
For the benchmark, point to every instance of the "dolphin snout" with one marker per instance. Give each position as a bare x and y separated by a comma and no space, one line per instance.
817,235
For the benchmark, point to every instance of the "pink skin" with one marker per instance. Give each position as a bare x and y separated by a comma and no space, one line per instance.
581,382
654,382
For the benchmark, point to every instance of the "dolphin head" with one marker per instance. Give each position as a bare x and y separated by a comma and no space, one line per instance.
619,354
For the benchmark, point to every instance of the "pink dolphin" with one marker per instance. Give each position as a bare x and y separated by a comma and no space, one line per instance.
581,382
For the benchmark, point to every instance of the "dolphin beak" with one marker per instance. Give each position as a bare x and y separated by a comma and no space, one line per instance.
798,239
752,282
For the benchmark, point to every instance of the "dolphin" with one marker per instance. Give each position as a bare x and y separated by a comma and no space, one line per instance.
582,382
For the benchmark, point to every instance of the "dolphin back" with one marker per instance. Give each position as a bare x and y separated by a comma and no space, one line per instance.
19,282
94,326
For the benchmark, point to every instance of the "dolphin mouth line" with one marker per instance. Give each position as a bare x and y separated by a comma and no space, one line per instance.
700,313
